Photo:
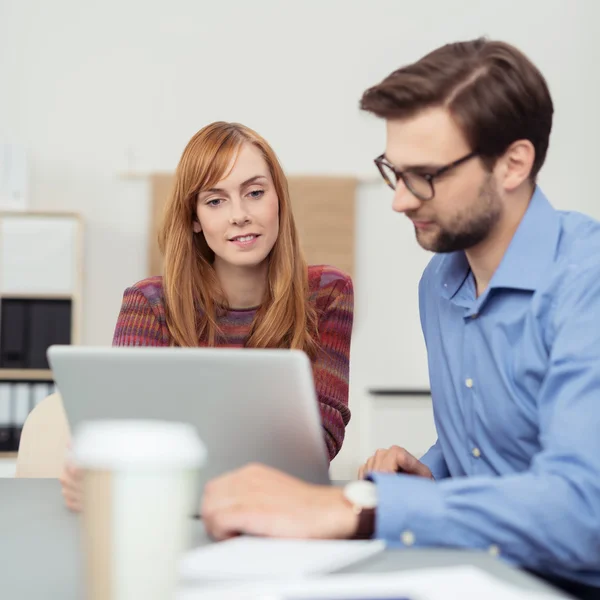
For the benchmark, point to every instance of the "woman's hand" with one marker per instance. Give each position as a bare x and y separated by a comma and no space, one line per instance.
71,482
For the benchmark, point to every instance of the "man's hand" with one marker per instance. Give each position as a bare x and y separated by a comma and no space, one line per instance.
394,460
258,500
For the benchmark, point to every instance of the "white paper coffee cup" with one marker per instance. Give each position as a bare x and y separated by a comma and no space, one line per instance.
139,486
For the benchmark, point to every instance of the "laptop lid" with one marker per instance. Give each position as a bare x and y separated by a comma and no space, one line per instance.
248,405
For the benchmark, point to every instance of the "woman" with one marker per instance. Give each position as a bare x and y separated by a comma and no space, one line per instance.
235,275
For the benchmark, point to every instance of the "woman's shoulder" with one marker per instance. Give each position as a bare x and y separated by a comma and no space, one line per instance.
320,276
328,277
150,288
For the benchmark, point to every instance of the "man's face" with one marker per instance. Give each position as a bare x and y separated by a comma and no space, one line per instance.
467,203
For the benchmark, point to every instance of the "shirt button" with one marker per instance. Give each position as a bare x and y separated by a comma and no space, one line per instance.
474,315
469,382
408,538
494,550
476,452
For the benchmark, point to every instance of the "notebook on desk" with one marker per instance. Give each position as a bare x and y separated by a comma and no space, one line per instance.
248,405
253,558
460,582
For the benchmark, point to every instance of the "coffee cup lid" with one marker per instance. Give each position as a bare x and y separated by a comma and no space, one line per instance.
119,444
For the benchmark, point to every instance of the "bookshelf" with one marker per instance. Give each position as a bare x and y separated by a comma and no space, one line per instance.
41,278
25,375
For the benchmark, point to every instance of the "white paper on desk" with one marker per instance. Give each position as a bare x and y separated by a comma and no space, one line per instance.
442,583
259,558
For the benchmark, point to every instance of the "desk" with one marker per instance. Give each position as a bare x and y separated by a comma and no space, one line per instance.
40,552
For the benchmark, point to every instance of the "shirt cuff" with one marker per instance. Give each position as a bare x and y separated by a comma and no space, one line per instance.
410,510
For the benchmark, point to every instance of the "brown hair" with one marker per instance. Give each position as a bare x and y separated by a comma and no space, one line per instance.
193,295
492,90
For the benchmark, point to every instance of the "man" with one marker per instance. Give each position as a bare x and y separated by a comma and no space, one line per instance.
510,311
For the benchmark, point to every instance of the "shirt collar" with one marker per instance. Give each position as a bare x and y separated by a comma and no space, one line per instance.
533,247
528,256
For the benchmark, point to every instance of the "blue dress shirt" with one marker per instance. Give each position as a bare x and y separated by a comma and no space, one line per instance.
515,383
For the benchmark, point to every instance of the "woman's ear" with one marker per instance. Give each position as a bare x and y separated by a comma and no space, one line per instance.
197,226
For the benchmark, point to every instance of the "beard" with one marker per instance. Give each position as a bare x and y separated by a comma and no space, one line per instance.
471,226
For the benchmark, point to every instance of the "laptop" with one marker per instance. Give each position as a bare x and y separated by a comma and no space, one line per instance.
248,405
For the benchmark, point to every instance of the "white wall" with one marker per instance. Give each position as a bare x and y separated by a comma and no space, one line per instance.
95,89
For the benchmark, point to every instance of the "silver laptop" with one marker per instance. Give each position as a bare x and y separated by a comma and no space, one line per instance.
248,405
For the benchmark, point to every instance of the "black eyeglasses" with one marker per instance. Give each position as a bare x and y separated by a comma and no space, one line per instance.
419,184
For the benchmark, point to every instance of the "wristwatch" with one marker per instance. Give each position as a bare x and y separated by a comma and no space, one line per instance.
362,496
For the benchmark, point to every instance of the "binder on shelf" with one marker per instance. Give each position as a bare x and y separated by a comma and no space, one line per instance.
40,391
6,421
13,334
50,323
29,328
17,400
21,397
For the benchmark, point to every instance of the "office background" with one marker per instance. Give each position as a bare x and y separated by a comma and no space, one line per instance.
103,94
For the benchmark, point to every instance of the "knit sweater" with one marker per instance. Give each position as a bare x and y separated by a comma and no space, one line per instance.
142,322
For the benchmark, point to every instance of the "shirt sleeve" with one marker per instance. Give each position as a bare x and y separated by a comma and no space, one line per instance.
547,517
332,365
138,324
434,460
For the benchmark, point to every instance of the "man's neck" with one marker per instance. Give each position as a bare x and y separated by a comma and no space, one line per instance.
244,287
486,257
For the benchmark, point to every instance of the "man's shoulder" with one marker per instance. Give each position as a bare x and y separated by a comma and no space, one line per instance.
579,240
577,257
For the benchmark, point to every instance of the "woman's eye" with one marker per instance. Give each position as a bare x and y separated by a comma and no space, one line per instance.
213,202
256,193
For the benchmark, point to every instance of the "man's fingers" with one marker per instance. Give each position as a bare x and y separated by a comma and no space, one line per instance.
384,461
409,464
379,459
227,523
372,464
389,464
217,497
380,462
394,460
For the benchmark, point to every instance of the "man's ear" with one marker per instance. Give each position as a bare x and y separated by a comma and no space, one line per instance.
517,163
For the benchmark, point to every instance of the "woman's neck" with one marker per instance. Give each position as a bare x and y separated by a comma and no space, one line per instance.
244,287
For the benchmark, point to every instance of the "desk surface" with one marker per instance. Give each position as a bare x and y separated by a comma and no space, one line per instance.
40,557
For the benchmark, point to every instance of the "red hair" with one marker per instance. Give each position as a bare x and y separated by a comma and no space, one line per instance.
192,291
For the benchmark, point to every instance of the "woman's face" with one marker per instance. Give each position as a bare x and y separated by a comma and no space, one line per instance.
239,216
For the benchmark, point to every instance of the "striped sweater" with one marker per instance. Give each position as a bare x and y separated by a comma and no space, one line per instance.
142,322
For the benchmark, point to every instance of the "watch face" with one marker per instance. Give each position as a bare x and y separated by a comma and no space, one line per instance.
362,493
